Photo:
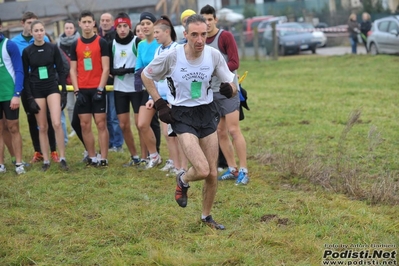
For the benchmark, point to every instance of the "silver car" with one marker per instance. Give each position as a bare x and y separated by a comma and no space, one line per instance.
317,34
383,37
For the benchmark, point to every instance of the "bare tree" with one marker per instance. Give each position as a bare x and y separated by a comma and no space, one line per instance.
80,6
179,5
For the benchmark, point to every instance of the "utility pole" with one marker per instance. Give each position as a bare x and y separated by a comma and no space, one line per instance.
333,10
275,41
256,43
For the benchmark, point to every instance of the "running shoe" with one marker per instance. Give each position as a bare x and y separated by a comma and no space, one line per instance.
2,169
168,166
85,157
37,157
20,169
242,178
103,163
212,223
173,172
90,162
153,162
181,190
25,164
229,175
55,157
63,165
72,134
45,167
133,162
14,162
116,149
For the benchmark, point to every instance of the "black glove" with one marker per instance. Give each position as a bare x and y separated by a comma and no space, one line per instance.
164,112
118,72
226,90
33,106
99,96
130,70
63,99
80,99
122,71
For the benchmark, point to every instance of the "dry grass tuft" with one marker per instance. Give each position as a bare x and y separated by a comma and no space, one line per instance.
343,176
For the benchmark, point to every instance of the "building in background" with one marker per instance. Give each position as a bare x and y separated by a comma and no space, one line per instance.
54,12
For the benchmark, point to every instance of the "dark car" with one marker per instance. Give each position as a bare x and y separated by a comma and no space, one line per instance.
321,25
292,39
383,37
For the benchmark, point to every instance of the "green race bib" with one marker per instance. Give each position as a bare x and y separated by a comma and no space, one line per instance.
88,65
43,74
196,89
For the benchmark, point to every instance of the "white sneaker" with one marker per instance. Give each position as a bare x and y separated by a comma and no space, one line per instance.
174,172
72,134
144,161
2,168
116,149
85,156
154,162
168,166
20,169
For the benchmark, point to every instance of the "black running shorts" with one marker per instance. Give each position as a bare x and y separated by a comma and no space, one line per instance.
124,99
200,121
43,93
9,114
91,107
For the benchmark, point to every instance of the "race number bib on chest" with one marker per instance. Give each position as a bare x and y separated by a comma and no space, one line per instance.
88,64
43,74
196,89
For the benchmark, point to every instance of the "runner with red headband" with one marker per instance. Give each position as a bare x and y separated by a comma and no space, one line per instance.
123,51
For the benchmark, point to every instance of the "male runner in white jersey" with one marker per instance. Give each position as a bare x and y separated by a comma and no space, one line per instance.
194,116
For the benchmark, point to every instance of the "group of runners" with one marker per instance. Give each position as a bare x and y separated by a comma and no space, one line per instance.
191,87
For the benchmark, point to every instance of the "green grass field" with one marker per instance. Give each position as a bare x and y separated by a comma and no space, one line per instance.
316,180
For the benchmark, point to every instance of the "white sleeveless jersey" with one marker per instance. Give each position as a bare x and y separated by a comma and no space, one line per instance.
162,85
191,83
123,55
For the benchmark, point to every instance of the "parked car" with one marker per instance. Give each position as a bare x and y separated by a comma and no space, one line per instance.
383,37
263,24
318,35
291,39
321,25
249,25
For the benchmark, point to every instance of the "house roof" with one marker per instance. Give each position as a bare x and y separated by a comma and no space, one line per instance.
49,8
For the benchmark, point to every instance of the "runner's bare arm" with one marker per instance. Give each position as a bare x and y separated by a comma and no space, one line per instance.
150,86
